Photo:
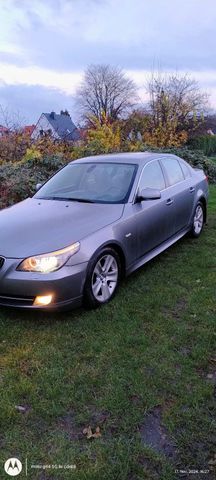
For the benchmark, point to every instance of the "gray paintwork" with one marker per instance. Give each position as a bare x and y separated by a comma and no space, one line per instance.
140,229
36,223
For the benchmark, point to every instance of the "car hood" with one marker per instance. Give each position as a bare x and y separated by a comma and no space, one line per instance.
38,226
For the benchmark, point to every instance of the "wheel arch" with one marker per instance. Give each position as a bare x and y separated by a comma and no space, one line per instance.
119,250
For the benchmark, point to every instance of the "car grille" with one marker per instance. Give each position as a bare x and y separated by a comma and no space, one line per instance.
2,260
16,301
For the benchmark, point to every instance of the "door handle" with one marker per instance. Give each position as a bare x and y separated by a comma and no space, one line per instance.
192,189
169,201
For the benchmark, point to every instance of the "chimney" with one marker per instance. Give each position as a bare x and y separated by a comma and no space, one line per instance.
52,115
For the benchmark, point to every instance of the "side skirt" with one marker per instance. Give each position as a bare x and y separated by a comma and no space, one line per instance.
156,251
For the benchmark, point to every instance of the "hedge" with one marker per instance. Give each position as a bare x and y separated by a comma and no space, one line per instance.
18,180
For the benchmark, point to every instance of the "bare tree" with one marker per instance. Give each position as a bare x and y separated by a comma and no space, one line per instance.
12,120
106,92
177,99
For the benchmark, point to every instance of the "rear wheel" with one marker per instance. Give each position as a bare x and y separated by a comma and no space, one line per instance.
198,220
102,278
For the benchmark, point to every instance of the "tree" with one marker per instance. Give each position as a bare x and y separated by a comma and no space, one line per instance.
106,92
176,106
12,120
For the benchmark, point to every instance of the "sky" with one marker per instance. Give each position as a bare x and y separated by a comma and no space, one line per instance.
46,45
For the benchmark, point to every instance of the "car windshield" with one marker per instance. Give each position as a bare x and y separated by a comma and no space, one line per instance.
90,183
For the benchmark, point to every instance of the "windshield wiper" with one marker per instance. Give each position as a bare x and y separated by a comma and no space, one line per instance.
83,200
68,199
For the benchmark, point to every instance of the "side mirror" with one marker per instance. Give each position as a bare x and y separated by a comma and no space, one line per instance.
148,194
38,186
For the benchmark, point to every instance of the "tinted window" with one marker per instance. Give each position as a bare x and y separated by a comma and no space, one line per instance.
185,169
173,170
152,176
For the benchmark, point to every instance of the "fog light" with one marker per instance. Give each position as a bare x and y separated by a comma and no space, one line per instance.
45,300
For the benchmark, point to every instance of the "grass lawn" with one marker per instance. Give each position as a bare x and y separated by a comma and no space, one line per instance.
142,368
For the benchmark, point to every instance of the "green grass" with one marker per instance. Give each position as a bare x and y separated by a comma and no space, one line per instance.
152,346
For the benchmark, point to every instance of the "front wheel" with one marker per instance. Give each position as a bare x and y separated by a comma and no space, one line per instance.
198,220
102,278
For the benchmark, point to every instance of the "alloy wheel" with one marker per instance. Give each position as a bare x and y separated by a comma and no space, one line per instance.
105,278
198,220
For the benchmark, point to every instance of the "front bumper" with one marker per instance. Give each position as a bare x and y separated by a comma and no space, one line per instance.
19,289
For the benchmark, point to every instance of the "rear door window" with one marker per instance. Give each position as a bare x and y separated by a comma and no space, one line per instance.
173,170
185,169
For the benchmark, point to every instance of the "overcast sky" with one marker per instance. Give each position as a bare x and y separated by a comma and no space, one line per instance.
45,45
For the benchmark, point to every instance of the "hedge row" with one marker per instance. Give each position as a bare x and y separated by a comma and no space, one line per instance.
18,181
205,143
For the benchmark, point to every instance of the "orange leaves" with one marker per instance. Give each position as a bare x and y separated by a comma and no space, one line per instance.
166,136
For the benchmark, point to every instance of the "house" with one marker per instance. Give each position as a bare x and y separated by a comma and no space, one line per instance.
210,124
58,126
210,132
3,131
28,129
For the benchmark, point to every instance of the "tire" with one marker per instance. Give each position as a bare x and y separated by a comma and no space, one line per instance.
198,220
103,276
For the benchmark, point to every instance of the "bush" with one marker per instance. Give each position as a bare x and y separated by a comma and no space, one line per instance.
205,143
18,181
13,147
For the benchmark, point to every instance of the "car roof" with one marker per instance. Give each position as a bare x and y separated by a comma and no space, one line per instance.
140,158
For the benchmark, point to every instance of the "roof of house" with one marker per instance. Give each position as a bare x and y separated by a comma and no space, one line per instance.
63,125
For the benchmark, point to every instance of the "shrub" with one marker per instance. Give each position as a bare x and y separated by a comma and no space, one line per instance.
105,138
18,181
13,147
205,143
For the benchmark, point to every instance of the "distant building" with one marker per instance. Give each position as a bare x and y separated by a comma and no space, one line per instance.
210,132
28,129
3,131
57,126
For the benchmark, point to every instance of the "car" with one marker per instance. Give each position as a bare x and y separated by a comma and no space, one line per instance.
96,220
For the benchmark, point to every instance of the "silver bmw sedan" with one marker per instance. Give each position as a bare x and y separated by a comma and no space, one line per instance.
96,220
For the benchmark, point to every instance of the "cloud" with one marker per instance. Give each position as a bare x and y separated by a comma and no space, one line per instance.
65,82
31,101
49,43
68,35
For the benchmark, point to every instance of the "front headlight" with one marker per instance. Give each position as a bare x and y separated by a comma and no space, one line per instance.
48,262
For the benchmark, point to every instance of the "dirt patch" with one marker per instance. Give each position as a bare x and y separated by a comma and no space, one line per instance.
155,435
68,423
178,310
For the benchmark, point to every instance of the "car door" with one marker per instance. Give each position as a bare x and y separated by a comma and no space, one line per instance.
153,217
181,190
